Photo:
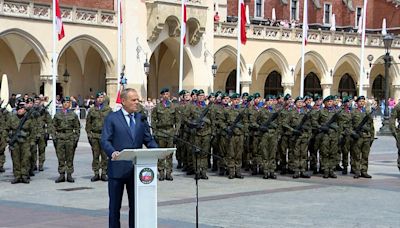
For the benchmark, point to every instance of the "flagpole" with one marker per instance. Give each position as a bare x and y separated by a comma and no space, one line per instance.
364,19
303,44
119,60
54,62
181,47
239,29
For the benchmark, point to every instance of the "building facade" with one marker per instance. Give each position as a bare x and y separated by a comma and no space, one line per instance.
270,60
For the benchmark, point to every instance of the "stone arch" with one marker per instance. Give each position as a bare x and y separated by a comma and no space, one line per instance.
348,64
225,58
273,54
34,43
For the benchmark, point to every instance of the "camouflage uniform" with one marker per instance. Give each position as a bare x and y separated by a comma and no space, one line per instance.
345,139
4,118
315,140
43,123
222,140
66,132
94,125
284,145
395,116
165,121
255,138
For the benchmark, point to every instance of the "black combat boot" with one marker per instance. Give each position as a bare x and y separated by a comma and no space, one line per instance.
2,170
16,180
326,174
332,174
266,176
61,178
104,177
95,178
35,168
69,178
272,175
365,175
344,171
304,175
296,175
161,175
41,168
25,180
169,177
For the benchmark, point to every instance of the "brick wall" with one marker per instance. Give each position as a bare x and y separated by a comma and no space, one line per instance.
94,4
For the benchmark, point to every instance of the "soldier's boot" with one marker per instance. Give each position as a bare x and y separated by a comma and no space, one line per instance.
35,168
95,178
304,175
161,176
169,177
104,177
203,175
315,170
25,180
326,174
365,175
272,175
31,173
231,174
197,176
190,172
41,168
357,175
214,166
296,175
338,168
184,168
2,170
209,162
16,180
352,171
344,171
238,173
221,171
332,174
266,175
284,170
69,178
254,170
179,166
61,178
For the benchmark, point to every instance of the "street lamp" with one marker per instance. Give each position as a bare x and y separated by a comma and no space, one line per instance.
387,41
214,68
146,66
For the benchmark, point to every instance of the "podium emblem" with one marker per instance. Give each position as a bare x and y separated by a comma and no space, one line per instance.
146,176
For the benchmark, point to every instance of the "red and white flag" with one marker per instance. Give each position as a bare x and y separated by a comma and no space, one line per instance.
184,22
120,12
59,24
305,22
243,37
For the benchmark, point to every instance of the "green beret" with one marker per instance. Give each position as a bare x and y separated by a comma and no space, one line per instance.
234,96
328,98
164,90
298,99
256,95
250,98
280,95
287,97
269,97
194,91
67,98
307,97
346,99
98,94
360,98
317,96
245,94
200,91
224,95
29,99
20,104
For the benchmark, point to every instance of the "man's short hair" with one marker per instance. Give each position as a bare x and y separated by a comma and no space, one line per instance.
124,92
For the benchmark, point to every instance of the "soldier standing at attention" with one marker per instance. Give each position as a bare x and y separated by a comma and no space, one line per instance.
4,118
255,134
165,121
20,148
345,129
395,116
284,145
66,132
363,135
94,126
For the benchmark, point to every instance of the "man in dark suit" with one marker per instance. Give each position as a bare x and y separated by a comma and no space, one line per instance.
124,129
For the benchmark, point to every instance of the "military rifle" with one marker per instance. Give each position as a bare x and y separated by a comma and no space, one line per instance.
299,127
264,127
19,134
328,124
200,121
234,124
357,130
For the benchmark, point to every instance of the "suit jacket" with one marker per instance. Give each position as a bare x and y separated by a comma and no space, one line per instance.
116,136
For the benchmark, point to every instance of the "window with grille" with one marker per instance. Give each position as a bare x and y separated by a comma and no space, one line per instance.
294,9
327,13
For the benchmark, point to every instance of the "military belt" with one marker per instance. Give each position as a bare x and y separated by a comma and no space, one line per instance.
97,131
66,131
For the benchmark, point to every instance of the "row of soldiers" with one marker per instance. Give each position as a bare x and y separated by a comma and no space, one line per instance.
28,129
280,134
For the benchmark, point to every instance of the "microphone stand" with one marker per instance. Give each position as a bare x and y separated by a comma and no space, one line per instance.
196,150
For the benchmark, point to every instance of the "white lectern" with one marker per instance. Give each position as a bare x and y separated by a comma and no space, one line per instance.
145,165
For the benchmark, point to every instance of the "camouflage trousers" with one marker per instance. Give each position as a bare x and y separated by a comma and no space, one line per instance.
202,141
234,154
21,159
3,145
165,165
345,150
65,150
284,150
256,153
38,152
313,147
298,160
100,158
268,148
180,149
359,154
329,151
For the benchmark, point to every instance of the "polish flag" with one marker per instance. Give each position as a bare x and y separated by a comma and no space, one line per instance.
243,37
118,101
59,24
120,12
184,22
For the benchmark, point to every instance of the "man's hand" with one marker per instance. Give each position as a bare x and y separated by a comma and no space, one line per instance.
115,155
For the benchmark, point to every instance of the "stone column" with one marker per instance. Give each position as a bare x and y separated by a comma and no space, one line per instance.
287,88
111,89
48,86
245,86
396,92
326,90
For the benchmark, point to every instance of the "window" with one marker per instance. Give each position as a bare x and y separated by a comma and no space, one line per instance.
347,86
358,15
312,84
230,84
273,84
294,10
327,13
259,8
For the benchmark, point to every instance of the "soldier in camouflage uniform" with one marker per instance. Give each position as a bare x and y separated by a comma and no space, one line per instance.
394,128
330,137
345,125
315,140
43,122
362,139
284,145
220,126
4,118
201,127
181,151
267,121
94,126
300,127
34,115
165,121
65,133
255,135
20,143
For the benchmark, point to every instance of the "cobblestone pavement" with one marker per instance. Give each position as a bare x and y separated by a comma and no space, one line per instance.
250,202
